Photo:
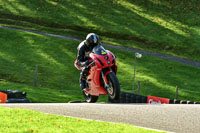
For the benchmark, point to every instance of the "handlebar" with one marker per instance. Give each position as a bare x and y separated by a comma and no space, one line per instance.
90,64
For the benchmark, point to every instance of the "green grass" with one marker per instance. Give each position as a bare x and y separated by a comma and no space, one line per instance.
58,79
171,27
26,121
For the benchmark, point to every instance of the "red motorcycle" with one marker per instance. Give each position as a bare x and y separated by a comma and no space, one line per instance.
101,78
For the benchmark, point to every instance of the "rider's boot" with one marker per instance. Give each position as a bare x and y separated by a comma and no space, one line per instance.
83,78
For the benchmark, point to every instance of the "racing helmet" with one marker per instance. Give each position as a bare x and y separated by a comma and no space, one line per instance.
92,40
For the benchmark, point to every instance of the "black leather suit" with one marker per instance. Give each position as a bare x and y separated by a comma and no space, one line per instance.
82,59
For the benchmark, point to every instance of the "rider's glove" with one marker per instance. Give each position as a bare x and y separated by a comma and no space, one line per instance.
84,64
87,62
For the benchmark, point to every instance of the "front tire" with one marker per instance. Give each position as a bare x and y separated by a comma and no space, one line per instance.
114,89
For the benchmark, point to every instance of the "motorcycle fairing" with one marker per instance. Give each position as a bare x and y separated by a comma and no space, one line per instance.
94,82
101,63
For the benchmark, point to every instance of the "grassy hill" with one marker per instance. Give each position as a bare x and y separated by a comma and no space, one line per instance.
58,79
171,27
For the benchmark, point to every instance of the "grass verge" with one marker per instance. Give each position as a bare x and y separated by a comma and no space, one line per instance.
27,121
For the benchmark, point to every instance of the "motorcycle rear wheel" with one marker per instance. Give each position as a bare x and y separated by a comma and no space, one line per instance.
89,98
114,90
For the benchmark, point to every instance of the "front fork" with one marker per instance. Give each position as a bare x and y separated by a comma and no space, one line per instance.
105,78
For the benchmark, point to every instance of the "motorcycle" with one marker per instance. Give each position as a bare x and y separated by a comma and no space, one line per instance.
101,79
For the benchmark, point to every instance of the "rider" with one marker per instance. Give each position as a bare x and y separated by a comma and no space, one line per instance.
84,49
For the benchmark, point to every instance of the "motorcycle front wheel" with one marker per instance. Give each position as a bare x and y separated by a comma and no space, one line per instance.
114,86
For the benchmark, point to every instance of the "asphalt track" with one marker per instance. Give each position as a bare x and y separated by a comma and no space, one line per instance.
172,118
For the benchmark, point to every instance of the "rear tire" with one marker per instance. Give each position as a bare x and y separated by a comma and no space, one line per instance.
114,90
89,98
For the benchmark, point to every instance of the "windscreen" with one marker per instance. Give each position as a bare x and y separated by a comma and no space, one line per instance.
99,50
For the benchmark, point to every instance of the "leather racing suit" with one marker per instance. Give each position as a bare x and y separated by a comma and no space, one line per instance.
82,61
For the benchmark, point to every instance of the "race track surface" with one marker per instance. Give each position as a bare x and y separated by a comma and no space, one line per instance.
172,118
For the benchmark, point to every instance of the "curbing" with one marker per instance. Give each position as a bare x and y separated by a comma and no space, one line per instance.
15,96
190,102
126,97
183,102
176,101
171,101
17,100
